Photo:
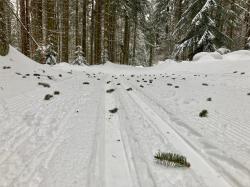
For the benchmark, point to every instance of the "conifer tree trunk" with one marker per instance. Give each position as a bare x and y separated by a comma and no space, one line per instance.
37,22
84,28
4,44
59,29
126,41
77,24
27,23
107,28
24,13
65,27
51,26
135,37
177,15
112,34
92,33
178,11
231,28
8,25
151,56
247,20
98,32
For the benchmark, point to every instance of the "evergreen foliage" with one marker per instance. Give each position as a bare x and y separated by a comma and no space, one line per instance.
132,32
200,23
171,160
79,57
50,54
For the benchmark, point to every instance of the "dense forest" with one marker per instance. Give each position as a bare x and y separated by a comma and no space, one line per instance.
134,32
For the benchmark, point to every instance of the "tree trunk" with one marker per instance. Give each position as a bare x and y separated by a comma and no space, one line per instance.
151,56
98,32
112,33
65,26
178,11
4,47
37,22
177,16
25,20
247,20
107,28
9,25
77,24
84,28
92,33
126,41
51,27
135,37
231,28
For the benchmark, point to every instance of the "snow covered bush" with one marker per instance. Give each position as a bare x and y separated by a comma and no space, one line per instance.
50,54
80,59
105,57
207,56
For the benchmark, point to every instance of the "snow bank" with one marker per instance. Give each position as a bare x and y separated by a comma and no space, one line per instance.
206,56
68,67
223,51
238,55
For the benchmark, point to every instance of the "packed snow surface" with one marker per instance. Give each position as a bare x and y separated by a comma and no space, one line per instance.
85,136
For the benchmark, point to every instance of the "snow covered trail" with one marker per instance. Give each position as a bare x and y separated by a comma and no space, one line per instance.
212,137
50,143
104,124
201,168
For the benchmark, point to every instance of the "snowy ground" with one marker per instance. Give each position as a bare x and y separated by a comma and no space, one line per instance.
73,139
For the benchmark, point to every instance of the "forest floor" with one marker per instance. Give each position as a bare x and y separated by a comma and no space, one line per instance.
75,139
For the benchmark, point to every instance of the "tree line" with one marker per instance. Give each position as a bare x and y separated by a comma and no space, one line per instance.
133,32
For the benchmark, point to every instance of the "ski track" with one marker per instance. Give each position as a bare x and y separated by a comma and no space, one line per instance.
143,148
198,160
73,139
236,133
75,160
35,135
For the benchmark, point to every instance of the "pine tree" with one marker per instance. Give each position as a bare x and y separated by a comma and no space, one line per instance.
4,47
200,25
79,57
